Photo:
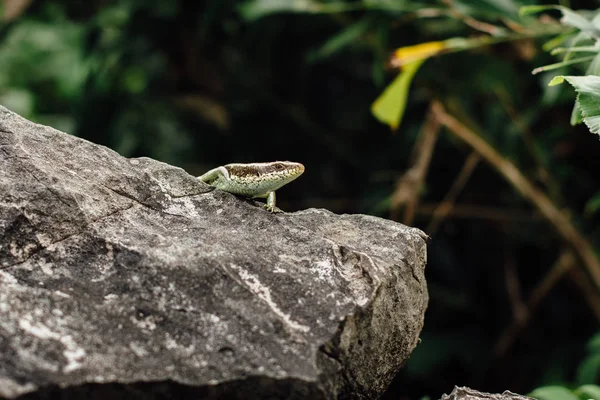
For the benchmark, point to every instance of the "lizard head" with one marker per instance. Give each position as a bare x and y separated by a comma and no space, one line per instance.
280,172
283,168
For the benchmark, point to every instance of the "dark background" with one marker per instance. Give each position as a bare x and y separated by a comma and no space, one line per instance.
199,84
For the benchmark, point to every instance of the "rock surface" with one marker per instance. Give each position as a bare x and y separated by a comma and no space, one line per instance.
465,393
128,278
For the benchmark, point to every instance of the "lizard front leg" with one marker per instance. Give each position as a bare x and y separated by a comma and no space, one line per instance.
214,174
270,206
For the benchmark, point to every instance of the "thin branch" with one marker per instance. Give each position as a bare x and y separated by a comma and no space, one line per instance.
14,8
564,263
410,183
511,173
445,207
513,288
470,21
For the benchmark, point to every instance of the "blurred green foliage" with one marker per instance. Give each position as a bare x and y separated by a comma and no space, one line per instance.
584,392
201,84
588,371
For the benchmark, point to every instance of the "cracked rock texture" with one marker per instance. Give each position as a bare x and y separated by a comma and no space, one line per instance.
128,278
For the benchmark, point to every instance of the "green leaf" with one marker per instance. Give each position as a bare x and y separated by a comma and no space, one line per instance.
593,123
577,41
341,40
589,370
255,9
553,393
588,88
390,105
596,20
557,41
528,10
594,343
569,18
557,80
576,117
593,205
589,391
594,67
380,55
588,98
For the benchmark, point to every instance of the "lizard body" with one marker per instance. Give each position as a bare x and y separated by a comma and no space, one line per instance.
255,180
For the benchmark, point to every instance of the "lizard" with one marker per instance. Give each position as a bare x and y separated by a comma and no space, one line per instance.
255,180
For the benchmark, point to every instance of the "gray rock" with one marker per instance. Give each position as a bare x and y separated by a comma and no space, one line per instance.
128,278
465,393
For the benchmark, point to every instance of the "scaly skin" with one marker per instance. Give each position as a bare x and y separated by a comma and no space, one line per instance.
255,180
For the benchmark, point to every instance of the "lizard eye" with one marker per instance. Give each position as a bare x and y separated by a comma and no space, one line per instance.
278,167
